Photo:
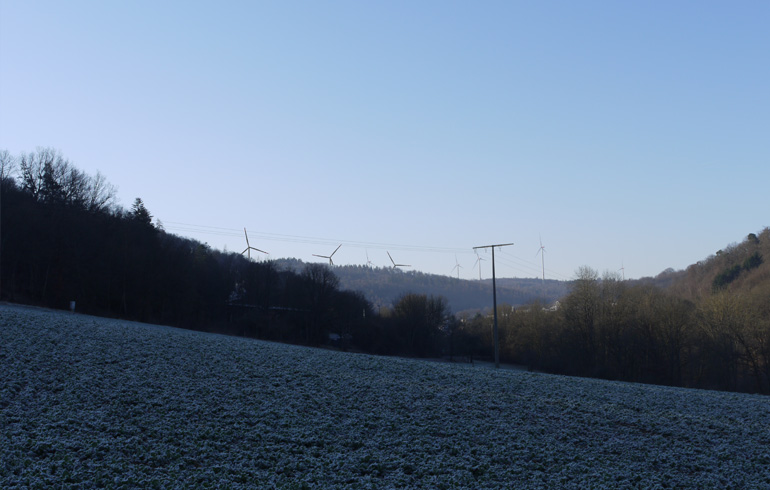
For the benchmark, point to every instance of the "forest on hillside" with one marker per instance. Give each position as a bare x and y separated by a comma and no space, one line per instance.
64,239
381,285
709,329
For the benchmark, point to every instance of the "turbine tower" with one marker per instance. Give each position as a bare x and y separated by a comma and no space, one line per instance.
368,262
622,270
331,262
478,262
457,266
249,248
541,251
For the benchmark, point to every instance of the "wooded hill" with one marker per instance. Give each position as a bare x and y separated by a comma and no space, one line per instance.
64,239
383,285
709,329
741,269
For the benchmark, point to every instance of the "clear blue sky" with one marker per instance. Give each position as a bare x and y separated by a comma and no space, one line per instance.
625,134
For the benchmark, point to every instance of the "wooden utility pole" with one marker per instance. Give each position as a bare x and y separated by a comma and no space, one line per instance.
494,298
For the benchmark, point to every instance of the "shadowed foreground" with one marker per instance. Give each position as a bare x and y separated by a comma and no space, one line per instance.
89,402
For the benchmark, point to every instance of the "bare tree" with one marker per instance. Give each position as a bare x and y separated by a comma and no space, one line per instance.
420,319
48,176
319,286
7,165
31,166
42,173
100,195
74,184
581,311
7,168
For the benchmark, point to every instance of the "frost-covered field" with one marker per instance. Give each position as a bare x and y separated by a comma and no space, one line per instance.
88,402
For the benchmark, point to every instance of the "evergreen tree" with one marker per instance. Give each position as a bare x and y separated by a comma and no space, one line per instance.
140,213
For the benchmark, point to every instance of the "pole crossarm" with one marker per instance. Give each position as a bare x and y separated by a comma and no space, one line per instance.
494,298
493,246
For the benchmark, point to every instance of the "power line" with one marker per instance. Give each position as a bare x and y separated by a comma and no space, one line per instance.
513,262
215,230
530,266
524,266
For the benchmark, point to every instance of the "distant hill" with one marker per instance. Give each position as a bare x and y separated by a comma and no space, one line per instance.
736,267
382,286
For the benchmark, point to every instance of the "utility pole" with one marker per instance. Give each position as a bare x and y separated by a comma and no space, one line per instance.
494,298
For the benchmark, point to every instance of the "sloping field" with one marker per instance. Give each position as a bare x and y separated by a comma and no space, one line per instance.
87,402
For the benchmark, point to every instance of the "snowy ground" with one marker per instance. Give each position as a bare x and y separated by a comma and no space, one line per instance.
93,403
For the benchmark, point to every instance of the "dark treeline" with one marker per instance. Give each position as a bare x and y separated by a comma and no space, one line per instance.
63,239
709,330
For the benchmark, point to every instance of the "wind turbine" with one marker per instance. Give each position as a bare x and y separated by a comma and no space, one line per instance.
394,262
622,270
457,266
541,251
478,262
249,248
331,262
368,262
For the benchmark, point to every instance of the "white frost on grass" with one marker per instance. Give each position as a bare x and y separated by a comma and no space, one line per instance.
92,403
